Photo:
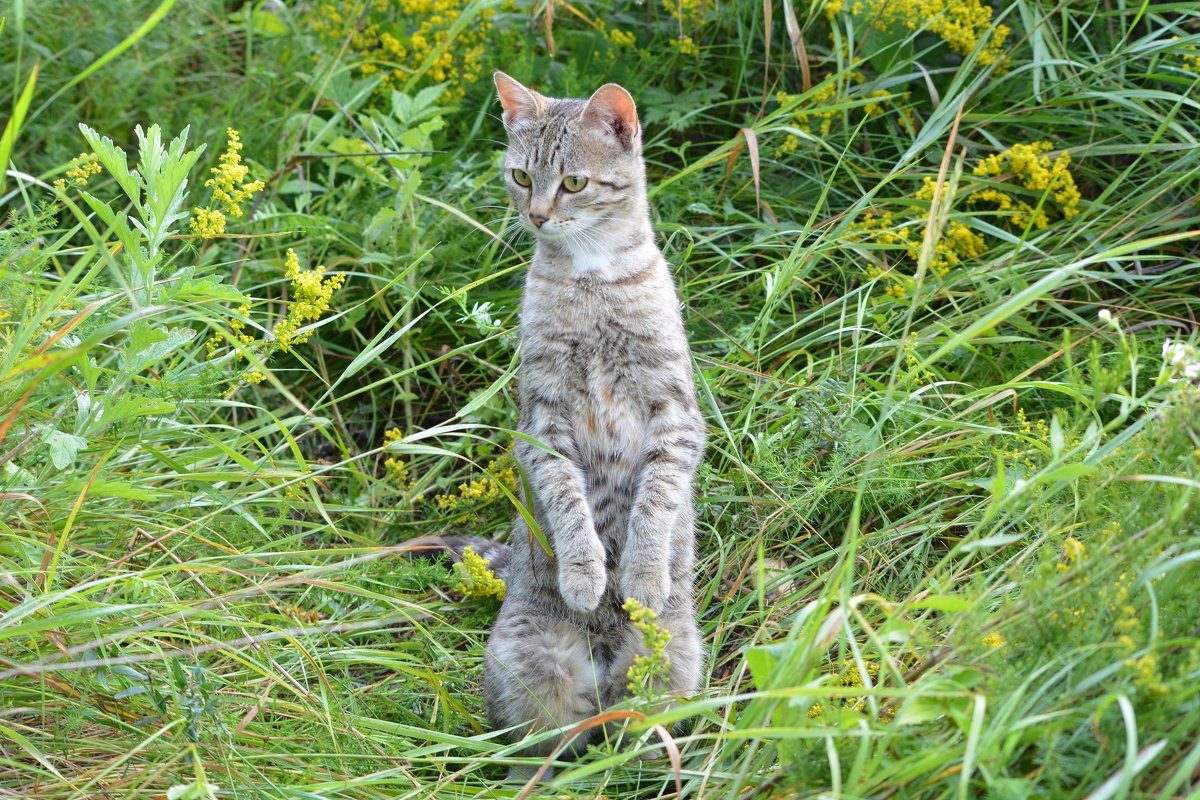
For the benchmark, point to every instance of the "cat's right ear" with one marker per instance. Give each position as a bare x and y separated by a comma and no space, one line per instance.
520,102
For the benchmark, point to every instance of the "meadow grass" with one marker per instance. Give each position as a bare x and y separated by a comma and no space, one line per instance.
948,528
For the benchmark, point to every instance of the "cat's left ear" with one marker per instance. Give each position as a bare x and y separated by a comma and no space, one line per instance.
611,110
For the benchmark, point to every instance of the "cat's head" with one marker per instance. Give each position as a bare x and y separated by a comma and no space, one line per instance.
574,167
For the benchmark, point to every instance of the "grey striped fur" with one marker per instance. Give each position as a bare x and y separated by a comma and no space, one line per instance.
606,381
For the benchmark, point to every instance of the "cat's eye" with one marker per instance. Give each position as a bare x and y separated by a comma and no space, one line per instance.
521,177
573,183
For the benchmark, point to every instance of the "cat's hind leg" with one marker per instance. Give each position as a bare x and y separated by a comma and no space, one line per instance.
684,651
540,673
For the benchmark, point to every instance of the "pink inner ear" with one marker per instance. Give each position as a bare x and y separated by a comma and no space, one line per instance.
515,98
612,107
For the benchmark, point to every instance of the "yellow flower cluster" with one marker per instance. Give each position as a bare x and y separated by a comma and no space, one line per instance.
961,24
622,38
1036,172
207,223
1073,549
229,177
230,190
994,640
1127,622
1038,429
850,676
689,13
912,360
397,470
498,476
312,294
957,244
832,93
1146,675
393,37
476,581
82,168
685,45
213,345
649,671
827,93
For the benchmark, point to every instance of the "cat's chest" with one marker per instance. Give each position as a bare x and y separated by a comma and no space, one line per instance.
609,421
602,381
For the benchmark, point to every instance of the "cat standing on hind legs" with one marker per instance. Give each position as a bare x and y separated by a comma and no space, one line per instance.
606,381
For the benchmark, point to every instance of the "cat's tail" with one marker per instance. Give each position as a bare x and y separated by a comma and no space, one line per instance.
497,553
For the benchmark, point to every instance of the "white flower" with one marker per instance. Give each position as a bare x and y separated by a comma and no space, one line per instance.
1176,352
1191,372
1105,315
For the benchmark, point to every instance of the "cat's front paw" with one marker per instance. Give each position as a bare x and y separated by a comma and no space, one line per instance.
581,582
649,584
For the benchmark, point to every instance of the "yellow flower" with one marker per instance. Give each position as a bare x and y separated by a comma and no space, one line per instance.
961,24
685,46
397,470
392,39
477,582
82,168
648,671
1036,172
1073,549
622,38
688,13
229,177
229,187
312,293
993,640
498,476
1146,675
311,296
790,145
834,92
207,223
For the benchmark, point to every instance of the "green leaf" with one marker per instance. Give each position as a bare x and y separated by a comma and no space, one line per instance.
943,602
64,448
189,289
116,162
268,24
762,661
13,126
163,347
105,488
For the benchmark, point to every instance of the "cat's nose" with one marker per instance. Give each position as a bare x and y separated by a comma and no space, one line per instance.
537,219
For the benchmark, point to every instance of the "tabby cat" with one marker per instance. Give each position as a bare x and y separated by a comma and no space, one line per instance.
606,382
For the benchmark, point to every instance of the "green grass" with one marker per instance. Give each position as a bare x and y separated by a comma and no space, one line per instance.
949,541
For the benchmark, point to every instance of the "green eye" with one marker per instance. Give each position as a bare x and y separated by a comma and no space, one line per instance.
573,183
521,177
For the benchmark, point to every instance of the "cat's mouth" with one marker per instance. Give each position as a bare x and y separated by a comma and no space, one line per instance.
553,228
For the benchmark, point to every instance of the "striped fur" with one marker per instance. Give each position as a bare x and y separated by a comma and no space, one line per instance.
606,381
